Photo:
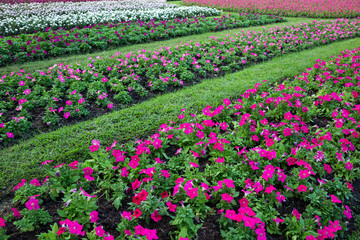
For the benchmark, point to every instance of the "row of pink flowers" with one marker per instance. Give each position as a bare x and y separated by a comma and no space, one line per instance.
304,8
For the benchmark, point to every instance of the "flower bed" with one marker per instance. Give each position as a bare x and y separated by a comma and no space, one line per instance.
14,2
293,8
63,8
28,24
24,48
281,160
68,92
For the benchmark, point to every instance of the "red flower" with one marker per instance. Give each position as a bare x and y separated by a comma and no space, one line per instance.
155,216
164,194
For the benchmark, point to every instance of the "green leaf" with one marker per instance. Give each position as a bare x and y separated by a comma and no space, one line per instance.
117,203
62,213
183,232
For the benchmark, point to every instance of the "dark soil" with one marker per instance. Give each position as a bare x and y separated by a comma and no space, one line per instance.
321,121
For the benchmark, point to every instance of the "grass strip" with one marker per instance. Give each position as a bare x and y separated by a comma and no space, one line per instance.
154,46
71,142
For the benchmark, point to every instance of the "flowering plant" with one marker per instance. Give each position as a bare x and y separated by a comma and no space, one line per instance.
128,76
293,8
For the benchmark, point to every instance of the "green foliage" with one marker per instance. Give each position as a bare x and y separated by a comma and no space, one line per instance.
32,219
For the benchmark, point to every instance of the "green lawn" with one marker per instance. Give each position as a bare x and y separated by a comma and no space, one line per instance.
71,142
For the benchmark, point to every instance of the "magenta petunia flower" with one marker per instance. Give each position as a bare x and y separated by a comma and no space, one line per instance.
302,188
99,231
2,222
32,204
10,135
67,115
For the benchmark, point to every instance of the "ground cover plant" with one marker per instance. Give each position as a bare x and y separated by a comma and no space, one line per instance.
67,92
280,157
294,8
53,43
29,24
62,8
14,2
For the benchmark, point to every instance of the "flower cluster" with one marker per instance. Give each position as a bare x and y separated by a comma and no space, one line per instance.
291,8
280,159
52,43
28,24
65,91
65,7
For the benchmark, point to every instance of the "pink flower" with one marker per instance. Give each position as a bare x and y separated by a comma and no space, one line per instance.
133,164
32,204
278,220
94,216
21,101
68,102
288,116
304,174
94,148
46,162
243,202
267,174
35,182
110,105
99,231
2,222
16,213
269,142
172,207
227,197
264,121
27,91
296,214
220,160
137,213
126,215
280,198
349,166
269,189
302,188
347,212
334,199
10,135
192,192
327,168
61,231
156,216
67,115
287,132
23,181
75,228
194,164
